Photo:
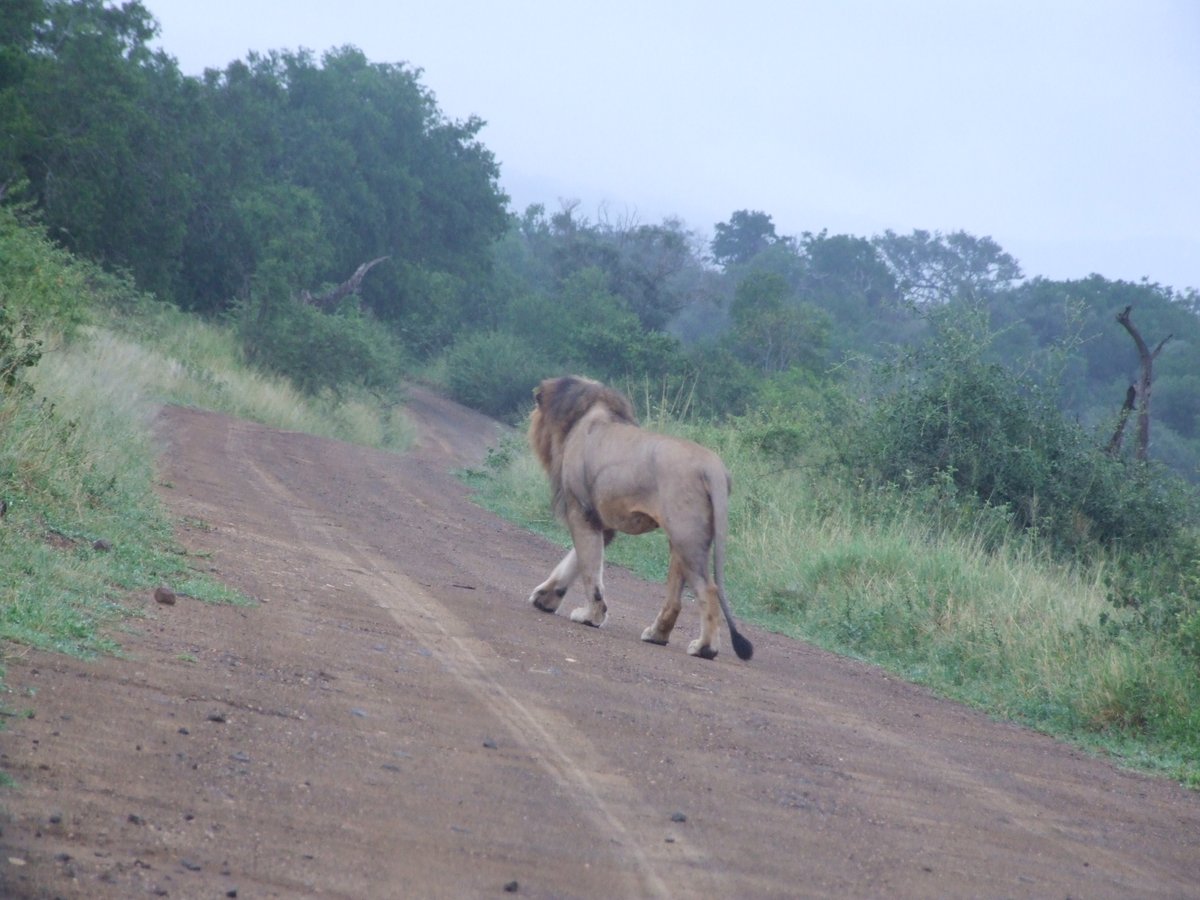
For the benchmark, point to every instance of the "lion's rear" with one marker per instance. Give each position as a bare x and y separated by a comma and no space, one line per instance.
608,474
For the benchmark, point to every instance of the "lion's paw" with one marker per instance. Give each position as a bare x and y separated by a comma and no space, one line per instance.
546,601
651,636
704,651
583,615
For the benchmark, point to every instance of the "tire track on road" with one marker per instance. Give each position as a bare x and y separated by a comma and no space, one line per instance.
549,739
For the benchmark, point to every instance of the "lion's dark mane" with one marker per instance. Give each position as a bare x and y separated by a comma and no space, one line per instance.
561,403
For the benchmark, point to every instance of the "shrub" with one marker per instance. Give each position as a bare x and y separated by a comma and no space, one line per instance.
495,372
999,438
40,283
319,351
18,351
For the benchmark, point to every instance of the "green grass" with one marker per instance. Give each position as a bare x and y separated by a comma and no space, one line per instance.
77,456
942,593
176,358
77,466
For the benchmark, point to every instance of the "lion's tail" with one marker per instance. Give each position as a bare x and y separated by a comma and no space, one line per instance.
718,492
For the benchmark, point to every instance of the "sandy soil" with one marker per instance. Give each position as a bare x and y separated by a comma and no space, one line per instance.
392,720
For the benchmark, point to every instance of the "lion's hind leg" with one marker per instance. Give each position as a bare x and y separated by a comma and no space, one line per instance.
705,590
549,594
660,631
689,562
705,646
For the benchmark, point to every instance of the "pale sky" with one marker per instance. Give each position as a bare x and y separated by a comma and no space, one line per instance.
1067,131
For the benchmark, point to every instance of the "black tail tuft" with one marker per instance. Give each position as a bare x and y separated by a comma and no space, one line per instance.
742,647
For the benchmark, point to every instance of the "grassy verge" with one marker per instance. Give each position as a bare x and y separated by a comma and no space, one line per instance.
82,527
77,467
174,357
943,594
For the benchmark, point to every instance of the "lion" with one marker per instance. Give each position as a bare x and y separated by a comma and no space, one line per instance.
606,475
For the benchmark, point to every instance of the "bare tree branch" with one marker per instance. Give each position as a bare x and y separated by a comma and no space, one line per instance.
350,286
1145,382
1118,438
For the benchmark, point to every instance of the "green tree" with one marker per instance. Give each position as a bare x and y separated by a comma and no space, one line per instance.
391,175
652,268
931,268
496,372
772,330
285,234
97,128
846,277
584,326
18,36
744,236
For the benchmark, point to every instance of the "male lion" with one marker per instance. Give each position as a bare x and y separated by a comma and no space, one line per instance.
609,475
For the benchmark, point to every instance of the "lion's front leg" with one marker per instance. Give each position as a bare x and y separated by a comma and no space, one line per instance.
548,595
589,550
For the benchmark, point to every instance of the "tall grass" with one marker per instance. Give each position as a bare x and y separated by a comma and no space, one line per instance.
177,358
77,466
83,527
942,591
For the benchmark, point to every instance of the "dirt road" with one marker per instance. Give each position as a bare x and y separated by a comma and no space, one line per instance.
392,720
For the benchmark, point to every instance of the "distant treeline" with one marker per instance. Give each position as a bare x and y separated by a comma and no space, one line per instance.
252,192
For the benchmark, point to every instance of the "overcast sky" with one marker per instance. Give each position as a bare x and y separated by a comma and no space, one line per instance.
1067,131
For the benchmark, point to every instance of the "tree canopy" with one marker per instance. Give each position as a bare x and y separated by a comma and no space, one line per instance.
195,184
244,191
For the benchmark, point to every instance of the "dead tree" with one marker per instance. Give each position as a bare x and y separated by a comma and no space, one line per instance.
1141,390
1118,438
328,301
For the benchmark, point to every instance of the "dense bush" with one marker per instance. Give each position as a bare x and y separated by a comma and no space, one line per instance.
18,350
39,282
319,351
496,372
1000,438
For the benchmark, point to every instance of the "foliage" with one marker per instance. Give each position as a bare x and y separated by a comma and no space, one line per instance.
195,184
386,174
318,351
746,235
435,323
1161,591
721,384
39,282
18,351
651,269
929,584
89,107
772,331
937,268
286,170
585,329
495,372
1001,440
